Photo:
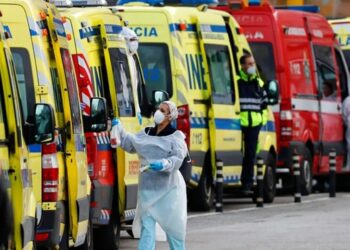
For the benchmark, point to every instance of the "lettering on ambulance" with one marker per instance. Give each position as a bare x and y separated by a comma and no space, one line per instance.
256,35
145,31
195,70
197,138
97,79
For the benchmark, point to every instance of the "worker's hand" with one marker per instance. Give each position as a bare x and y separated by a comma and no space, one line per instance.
115,121
156,165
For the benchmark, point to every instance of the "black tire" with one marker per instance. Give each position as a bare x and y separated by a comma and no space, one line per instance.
64,243
89,241
270,179
5,215
130,233
201,197
109,235
306,173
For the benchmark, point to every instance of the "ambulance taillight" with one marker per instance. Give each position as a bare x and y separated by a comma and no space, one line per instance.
286,121
49,172
183,122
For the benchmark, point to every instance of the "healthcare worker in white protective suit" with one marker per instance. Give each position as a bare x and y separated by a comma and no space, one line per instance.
162,190
132,42
346,118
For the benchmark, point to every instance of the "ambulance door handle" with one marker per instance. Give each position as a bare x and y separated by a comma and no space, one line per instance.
338,107
237,112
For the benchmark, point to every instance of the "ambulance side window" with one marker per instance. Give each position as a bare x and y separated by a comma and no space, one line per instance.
155,62
220,69
325,71
122,81
25,82
263,54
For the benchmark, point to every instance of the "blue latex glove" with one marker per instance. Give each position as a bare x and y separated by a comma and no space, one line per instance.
139,117
115,121
156,165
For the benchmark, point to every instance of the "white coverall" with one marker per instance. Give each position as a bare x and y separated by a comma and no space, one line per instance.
346,118
161,194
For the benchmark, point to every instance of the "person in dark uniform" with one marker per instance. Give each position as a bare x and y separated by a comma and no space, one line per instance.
253,116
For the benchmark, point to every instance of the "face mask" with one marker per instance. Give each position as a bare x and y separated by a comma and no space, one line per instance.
158,117
133,46
251,70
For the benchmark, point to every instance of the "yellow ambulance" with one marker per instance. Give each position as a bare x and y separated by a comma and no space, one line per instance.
59,169
193,54
103,67
17,220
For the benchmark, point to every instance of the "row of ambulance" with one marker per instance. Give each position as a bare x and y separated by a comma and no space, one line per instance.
67,69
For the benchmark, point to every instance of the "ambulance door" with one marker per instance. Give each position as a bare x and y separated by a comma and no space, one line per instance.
123,105
223,114
331,123
20,175
76,159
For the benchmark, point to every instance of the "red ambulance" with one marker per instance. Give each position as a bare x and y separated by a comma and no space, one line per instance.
299,50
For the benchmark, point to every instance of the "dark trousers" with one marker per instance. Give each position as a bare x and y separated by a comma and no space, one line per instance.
250,138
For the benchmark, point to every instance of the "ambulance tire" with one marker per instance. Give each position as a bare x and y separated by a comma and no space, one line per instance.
270,179
306,173
5,216
201,197
89,242
109,235
64,243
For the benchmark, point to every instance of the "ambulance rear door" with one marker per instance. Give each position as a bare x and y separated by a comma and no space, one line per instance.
76,161
123,104
223,114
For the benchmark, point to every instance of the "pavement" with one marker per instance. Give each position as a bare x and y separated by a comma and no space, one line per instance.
318,223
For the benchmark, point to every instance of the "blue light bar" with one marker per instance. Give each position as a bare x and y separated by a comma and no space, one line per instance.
170,2
254,2
306,8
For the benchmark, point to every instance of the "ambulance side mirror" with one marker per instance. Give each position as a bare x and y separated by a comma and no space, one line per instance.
158,97
97,121
44,123
272,92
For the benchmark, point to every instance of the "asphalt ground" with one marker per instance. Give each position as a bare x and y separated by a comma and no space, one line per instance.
317,223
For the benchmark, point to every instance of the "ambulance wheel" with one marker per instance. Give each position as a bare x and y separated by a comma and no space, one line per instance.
201,197
89,241
306,173
64,243
5,216
270,179
109,235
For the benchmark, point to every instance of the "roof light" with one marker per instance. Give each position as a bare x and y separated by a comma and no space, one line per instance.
62,3
89,2
42,15
170,2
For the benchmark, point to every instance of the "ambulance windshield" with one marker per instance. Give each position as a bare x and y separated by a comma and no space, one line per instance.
155,63
263,54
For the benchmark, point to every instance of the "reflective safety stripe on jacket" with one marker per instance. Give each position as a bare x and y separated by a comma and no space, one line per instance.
252,100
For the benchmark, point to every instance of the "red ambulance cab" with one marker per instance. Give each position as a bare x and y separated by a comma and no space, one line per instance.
299,50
